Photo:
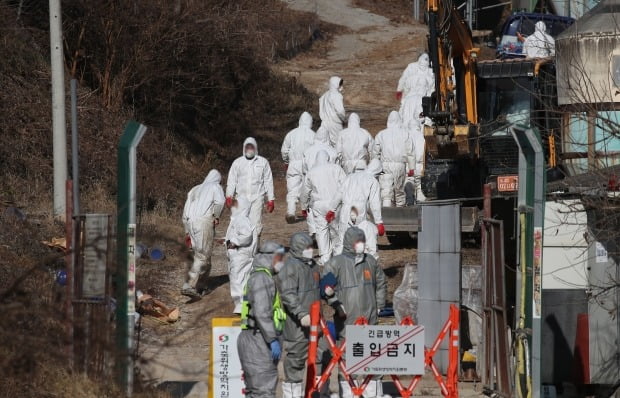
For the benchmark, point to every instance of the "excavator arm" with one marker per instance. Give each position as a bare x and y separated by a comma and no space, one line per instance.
453,106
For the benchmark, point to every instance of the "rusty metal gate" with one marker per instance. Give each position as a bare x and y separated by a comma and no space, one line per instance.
495,365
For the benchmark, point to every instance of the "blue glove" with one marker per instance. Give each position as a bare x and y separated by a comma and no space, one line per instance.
276,350
328,280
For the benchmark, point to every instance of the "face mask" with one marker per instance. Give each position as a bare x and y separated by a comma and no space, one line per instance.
308,253
278,266
250,154
359,247
353,217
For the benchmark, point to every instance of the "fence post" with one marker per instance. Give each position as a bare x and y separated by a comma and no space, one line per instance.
315,319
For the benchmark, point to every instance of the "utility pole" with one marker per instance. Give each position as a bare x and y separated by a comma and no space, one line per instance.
59,126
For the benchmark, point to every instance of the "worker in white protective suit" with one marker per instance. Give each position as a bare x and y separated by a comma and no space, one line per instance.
241,242
393,147
540,44
331,110
321,186
321,143
354,144
416,82
413,181
293,147
250,177
360,191
201,215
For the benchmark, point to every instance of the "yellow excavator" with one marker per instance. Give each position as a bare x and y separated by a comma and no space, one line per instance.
453,107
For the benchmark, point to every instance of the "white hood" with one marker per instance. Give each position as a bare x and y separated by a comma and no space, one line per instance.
214,177
334,82
394,120
354,121
305,120
249,140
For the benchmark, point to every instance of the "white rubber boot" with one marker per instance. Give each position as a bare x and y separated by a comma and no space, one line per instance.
419,195
287,390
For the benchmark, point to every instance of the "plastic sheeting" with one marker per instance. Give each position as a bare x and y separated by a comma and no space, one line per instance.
406,295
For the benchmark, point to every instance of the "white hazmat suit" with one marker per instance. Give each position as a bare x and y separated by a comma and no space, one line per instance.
417,81
321,186
201,214
331,110
293,147
354,144
359,191
394,148
415,164
250,177
241,243
540,44
321,143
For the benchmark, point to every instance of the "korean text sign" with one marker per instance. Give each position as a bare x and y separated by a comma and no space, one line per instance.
385,349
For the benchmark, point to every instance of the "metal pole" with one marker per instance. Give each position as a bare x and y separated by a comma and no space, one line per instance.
470,13
126,271
69,259
59,126
75,170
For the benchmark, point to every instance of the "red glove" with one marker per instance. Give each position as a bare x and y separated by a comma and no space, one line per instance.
270,206
330,216
229,202
381,229
304,213
411,173
399,95
285,166
188,241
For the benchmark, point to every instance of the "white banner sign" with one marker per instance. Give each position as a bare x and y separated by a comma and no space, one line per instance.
385,350
95,255
226,378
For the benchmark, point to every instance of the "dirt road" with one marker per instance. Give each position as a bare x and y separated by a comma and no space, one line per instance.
369,56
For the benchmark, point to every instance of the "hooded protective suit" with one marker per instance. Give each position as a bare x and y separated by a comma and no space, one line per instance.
360,190
362,287
320,188
354,144
298,282
321,143
253,345
540,44
251,179
393,147
241,242
203,207
417,81
331,110
293,147
413,184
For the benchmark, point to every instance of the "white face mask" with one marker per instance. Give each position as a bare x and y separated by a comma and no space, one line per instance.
308,253
341,89
250,154
278,266
359,247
